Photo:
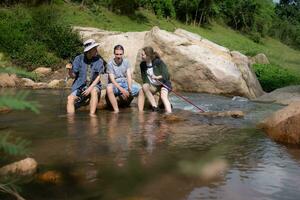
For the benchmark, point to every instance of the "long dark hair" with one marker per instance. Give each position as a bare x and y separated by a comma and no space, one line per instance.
151,53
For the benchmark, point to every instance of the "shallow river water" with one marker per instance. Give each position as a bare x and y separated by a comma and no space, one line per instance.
147,156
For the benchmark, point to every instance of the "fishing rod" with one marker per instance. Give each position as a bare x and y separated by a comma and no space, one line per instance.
178,95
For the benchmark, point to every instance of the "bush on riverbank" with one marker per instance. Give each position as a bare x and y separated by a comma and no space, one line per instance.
272,76
35,37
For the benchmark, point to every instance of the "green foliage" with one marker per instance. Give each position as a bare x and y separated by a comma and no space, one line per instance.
124,7
253,17
27,2
13,146
36,54
34,37
54,33
9,145
272,77
8,185
196,11
12,26
286,24
289,10
163,8
18,101
255,37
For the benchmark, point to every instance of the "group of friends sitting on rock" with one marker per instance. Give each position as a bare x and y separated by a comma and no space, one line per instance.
87,67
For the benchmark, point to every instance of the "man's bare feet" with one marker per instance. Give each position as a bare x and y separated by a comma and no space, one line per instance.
93,115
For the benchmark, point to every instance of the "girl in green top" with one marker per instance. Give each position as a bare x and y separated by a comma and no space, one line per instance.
154,72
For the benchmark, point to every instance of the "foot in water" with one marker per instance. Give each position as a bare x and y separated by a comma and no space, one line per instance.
93,115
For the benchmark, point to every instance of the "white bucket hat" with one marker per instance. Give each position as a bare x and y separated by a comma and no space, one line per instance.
89,44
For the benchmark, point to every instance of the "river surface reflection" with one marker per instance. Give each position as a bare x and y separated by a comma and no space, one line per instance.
148,156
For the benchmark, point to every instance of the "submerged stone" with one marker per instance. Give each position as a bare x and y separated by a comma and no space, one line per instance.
231,113
23,167
54,177
173,118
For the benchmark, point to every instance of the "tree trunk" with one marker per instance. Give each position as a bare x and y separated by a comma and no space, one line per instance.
200,19
186,13
82,4
196,15
235,23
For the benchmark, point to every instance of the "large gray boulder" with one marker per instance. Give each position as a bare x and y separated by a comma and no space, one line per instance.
195,64
285,95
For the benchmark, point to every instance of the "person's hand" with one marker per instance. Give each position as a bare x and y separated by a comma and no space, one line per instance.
69,66
154,77
125,93
87,91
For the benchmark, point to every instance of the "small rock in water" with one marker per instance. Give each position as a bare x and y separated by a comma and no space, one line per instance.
172,118
238,98
214,169
5,110
236,113
231,113
54,177
207,171
24,167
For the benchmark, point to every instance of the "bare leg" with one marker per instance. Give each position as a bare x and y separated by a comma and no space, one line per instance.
93,101
112,98
149,95
70,104
164,97
141,100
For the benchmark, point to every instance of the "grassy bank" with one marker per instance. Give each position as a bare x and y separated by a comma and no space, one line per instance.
49,48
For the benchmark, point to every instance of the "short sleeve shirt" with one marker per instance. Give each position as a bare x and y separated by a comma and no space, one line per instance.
119,71
80,65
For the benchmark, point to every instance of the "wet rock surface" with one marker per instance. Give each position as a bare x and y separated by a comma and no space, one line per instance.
25,167
285,95
283,125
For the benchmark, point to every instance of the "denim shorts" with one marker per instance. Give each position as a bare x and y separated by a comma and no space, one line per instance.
135,88
75,92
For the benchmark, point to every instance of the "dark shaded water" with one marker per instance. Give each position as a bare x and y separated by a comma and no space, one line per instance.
146,156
